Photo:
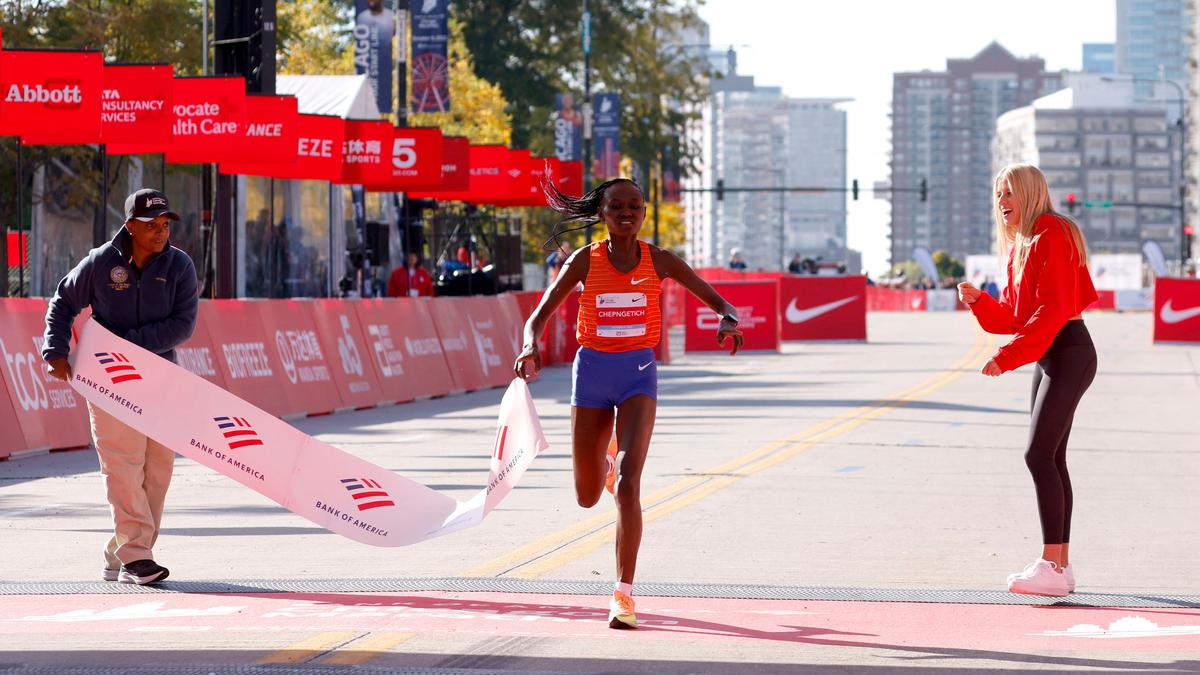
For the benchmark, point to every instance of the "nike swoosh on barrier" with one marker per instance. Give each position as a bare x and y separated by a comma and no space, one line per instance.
795,315
635,282
1171,315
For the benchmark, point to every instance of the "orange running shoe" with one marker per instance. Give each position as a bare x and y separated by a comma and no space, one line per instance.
620,611
610,477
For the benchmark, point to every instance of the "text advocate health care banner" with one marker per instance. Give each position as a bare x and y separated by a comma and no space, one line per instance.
336,490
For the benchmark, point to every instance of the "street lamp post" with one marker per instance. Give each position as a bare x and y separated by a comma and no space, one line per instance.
1182,124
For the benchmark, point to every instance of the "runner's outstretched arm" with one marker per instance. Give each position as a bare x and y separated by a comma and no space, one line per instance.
573,272
671,266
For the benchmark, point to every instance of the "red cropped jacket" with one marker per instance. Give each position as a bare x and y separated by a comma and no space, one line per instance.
1054,287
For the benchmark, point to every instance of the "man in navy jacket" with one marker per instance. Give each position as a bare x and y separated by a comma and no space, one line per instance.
144,290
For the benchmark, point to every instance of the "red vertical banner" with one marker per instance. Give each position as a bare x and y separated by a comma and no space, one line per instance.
51,97
136,105
462,355
307,372
366,152
198,354
247,363
49,412
757,304
402,345
210,118
341,337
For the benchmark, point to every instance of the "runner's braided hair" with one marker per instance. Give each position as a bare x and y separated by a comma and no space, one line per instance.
585,209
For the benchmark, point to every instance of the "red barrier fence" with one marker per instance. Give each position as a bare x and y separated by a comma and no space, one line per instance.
757,304
288,357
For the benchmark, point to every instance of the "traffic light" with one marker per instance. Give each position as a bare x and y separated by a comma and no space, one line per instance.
854,189
924,190
1071,202
720,189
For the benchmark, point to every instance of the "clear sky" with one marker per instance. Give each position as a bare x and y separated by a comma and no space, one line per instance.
850,48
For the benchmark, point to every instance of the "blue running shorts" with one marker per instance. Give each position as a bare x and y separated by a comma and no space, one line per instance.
608,379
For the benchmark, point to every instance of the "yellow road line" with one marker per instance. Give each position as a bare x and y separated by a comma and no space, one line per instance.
366,649
577,539
309,647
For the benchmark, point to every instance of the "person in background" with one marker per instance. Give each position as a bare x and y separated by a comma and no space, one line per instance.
794,265
412,280
735,259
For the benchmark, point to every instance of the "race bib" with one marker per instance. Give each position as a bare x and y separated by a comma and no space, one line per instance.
620,315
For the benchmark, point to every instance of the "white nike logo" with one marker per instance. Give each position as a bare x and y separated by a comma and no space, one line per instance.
795,315
1172,315
635,282
643,367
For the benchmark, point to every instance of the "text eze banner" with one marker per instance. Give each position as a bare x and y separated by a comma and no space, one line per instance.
332,488
136,104
51,97
210,118
318,154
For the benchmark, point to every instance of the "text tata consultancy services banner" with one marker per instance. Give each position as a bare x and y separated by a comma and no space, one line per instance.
334,489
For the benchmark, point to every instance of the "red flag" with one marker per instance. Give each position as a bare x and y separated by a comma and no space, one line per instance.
366,152
51,97
272,127
416,160
210,118
318,153
136,105
570,179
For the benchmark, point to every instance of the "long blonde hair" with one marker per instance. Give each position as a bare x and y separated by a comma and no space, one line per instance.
1029,188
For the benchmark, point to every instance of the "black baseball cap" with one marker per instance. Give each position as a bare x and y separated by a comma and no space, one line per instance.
146,205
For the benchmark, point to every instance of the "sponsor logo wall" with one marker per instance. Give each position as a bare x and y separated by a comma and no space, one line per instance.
823,308
757,304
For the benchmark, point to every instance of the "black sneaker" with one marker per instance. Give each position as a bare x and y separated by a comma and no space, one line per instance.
142,572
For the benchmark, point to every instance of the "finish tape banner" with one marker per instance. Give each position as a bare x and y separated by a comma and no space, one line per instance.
338,491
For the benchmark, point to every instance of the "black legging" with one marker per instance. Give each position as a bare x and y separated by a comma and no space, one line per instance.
1059,380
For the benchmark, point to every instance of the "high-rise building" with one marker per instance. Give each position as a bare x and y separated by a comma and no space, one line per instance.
816,157
1119,159
942,127
1152,42
1100,58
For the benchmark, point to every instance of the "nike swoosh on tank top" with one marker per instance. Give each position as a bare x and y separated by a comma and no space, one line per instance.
619,312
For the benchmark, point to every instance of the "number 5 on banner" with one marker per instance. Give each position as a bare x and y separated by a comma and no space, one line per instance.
404,156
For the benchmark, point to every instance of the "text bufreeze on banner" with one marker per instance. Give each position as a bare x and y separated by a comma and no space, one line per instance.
318,154
210,118
374,31
430,78
136,105
51,97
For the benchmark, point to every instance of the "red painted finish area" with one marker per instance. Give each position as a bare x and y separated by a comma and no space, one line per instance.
841,624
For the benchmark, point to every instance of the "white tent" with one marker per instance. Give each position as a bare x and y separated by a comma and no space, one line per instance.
346,96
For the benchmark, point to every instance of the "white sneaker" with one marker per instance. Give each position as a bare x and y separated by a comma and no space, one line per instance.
1040,577
1069,573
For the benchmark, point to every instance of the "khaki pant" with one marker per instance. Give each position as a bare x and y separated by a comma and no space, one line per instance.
137,472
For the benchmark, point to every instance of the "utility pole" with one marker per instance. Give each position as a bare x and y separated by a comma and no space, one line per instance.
585,29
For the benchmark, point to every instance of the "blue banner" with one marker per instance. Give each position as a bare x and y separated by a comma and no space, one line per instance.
606,130
430,67
374,28
568,129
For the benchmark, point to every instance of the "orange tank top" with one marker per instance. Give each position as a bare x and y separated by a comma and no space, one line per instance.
619,312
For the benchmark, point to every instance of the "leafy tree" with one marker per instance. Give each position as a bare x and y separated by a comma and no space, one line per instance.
479,110
314,37
531,49
948,267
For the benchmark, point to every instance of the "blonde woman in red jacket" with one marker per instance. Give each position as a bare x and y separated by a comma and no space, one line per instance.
1049,286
